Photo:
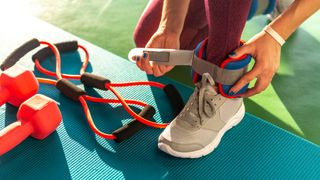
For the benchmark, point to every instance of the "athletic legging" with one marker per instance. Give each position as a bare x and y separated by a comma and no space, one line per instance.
222,21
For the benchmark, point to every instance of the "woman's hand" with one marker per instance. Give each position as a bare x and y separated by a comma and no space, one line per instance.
266,52
168,35
160,39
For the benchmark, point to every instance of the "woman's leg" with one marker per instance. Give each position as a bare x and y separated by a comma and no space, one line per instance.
195,28
226,20
148,23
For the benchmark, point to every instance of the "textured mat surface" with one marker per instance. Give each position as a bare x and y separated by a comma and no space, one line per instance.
254,149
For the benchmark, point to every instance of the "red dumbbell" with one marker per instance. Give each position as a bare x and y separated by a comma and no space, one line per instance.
37,117
17,84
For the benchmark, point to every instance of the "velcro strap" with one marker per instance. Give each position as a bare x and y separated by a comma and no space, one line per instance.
220,75
187,57
170,56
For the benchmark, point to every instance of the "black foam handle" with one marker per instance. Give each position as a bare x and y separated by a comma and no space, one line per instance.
134,126
69,89
92,80
18,53
174,98
63,47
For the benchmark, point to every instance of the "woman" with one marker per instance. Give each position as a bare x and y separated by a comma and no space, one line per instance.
182,24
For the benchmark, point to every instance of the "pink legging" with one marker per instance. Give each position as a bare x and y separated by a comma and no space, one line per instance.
222,21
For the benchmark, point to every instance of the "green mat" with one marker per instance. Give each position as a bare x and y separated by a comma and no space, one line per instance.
254,149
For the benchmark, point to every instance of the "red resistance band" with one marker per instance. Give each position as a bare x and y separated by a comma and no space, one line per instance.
77,94
62,84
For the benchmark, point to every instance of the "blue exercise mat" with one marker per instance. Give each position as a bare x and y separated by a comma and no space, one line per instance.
254,149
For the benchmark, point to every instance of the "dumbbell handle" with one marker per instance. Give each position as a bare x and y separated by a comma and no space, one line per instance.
13,135
4,94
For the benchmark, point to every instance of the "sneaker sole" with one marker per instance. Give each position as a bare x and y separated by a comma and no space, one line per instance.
210,147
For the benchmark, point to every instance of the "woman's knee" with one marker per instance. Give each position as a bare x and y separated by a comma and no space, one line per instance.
148,23
138,37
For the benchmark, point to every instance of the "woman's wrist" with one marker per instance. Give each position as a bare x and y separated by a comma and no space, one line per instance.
173,16
168,31
274,34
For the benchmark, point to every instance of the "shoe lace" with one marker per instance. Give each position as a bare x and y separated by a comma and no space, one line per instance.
200,106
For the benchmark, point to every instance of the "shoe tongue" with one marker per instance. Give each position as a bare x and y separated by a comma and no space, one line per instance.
208,83
197,104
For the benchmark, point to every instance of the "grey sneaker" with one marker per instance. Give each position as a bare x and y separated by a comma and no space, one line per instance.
198,129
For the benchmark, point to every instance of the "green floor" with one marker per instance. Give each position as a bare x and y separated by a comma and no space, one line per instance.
291,102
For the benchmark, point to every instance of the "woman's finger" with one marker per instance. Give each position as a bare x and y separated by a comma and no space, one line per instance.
165,68
245,79
244,49
145,64
138,61
156,70
261,84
